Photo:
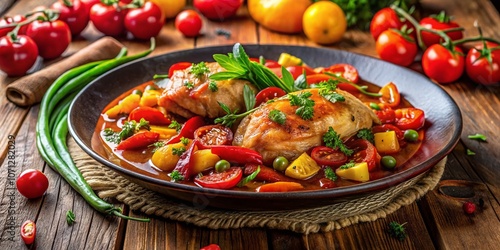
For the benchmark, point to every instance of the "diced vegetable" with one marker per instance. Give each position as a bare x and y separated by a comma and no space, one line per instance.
386,142
165,132
150,98
286,60
280,186
203,159
164,157
124,107
302,168
139,140
359,172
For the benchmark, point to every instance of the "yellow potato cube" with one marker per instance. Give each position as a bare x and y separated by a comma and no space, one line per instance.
386,142
359,172
203,159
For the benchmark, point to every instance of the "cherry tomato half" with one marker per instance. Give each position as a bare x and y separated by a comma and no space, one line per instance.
345,70
393,47
479,69
364,152
152,115
390,95
213,135
326,156
139,140
267,94
386,115
410,118
189,23
32,183
28,232
442,65
224,180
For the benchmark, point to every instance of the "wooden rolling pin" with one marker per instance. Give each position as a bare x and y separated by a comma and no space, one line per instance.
30,89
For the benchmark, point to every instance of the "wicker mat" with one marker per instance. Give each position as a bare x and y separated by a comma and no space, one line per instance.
109,184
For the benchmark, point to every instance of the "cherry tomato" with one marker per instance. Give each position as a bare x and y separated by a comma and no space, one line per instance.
296,71
386,114
211,247
152,115
410,118
189,23
32,183
218,10
225,180
28,232
326,183
51,37
267,62
139,140
390,95
326,156
364,152
178,66
74,13
442,65
7,24
88,4
385,19
213,135
17,55
267,94
396,48
108,19
345,70
479,69
438,22
144,22
317,78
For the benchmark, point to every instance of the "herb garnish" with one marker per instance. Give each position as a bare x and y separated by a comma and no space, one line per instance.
199,69
361,89
178,151
332,140
277,116
397,230
327,90
479,137
330,174
306,105
176,176
366,134
184,141
348,165
188,85
128,129
248,97
157,145
212,85
232,116
70,217
175,125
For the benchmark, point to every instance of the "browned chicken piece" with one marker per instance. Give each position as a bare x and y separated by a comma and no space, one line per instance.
188,95
296,135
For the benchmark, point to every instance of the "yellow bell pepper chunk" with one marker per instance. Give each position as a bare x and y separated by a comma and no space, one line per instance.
287,60
203,159
150,98
302,168
359,172
386,142
125,106
164,131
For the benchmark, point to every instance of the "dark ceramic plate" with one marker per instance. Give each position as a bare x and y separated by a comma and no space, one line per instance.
442,116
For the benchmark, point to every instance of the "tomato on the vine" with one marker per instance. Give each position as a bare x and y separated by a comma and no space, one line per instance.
439,22
477,66
88,4
108,19
51,36
217,9
17,54
144,22
32,183
74,13
189,23
7,24
384,19
441,64
396,47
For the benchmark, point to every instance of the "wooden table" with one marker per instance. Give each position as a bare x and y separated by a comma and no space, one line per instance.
435,221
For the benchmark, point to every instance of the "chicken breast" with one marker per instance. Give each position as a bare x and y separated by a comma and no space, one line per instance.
188,95
257,131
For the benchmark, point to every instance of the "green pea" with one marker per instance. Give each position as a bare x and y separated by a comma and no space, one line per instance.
137,92
222,166
150,87
280,163
374,106
388,161
411,135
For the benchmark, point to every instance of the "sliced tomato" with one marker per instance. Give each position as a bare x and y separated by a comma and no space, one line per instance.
410,118
326,156
224,180
390,95
187,130
139,140
280,186
364,152
152,115
317,78
28,232
213,135
267,94
296,71
178,66
386,115
345,70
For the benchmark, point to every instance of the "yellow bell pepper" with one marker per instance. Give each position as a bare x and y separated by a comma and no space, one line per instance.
279,15
386,142
203,159
164,131
125,106
150,98
302,168
286,60
359,172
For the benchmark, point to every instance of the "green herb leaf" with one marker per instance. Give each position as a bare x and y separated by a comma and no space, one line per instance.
479,137
226,75
249,178
366,134
332,140
188,85
305,105
277,116
348,165
229,64
397,230
248,97
176,176
212,85
178,151
301,82
111,136
330,174
175,125
199,69
470,152
157,145
185,141
70,217
287,77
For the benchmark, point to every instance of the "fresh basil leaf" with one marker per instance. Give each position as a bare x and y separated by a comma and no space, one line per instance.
287,77
226,75
301,82
228,63
249,97
241,56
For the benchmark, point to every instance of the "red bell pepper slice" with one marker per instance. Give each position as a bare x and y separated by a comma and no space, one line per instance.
184,166
236,154
152,115
187,130
364,152
410,118
139,140
178,66
390,95
224,180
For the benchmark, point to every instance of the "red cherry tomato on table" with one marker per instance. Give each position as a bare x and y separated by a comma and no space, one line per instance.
17,55
385,19
108,19
211,247
439,22
442,65
267,94
326,156
51,37
189,23
144,22
393,47
224,180
74,13
364,152
88,4
409,118
32,183
28,232
479,69
139,140
390,95
7,24
152,115
218,10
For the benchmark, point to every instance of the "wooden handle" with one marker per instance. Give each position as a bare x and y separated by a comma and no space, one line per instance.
30,89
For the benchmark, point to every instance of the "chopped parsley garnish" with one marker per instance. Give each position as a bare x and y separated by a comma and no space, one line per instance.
231,116
157,145
175,125
212,85
397,230
327,90
330,174
176,176
479,137
348,165
332,140
185,141
111,136
128,129
306,105
70,217
189,85
277,116
366,134
199,69
178,151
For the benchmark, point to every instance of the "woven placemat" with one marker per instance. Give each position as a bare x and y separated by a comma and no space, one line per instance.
108,184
